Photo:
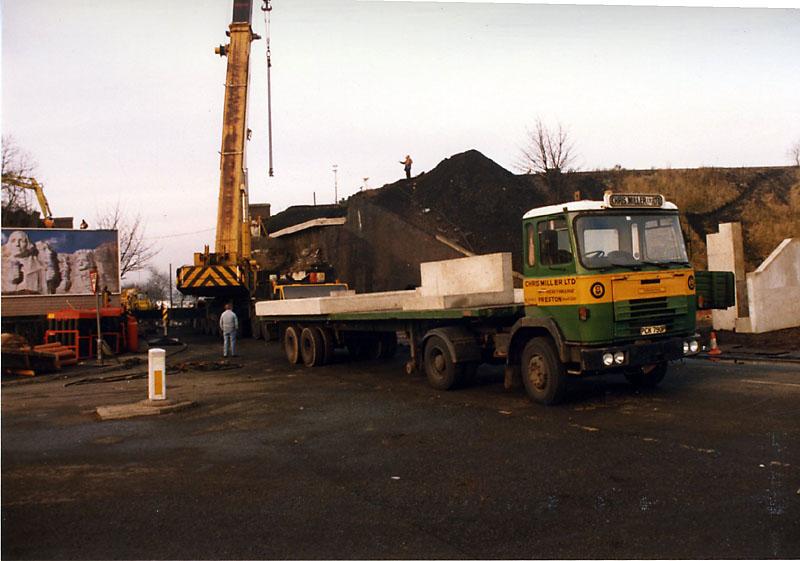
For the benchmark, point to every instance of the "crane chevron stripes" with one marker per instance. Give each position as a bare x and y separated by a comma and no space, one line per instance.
214,275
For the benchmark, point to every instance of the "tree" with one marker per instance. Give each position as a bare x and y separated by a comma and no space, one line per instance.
135,251
17,208
158,285
549,152
794,153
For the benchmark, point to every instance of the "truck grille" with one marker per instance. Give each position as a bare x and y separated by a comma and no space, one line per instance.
631,315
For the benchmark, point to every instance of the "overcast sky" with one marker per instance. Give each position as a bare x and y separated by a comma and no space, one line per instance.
122,100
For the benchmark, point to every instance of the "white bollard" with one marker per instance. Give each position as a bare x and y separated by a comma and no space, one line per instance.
157,374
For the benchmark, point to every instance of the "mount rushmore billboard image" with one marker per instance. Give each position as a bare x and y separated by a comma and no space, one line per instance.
41,262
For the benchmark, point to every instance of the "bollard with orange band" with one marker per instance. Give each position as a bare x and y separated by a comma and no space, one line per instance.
157,374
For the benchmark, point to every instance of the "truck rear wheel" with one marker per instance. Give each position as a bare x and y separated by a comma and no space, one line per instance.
328,339
442,372
543,374
291,344
312,348
647,376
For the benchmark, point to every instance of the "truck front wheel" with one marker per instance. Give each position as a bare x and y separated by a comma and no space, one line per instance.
442,372
543,374
647,376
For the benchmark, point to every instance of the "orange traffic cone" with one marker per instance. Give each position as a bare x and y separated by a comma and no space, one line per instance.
714,349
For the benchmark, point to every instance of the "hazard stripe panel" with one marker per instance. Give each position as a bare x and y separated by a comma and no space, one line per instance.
212,276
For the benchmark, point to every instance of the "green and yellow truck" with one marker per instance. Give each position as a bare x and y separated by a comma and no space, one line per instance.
607,288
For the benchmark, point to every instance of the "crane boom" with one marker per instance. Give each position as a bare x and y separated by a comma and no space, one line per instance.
233,232
229,274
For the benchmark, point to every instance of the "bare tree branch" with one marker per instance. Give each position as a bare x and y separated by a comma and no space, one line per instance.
546,150
794,153
135,252
16,163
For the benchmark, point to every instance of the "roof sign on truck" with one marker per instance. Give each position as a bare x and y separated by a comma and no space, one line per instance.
633,200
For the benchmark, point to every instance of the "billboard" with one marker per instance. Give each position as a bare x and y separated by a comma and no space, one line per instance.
42,262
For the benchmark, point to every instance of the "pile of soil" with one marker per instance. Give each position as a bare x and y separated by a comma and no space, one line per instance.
469,199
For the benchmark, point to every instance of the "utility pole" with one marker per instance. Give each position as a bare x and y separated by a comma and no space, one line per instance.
335,184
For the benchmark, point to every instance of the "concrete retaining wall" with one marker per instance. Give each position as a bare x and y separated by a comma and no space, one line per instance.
773,291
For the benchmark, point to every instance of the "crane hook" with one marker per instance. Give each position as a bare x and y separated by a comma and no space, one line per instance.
265,6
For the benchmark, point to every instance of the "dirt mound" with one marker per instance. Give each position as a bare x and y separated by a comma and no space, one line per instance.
467,198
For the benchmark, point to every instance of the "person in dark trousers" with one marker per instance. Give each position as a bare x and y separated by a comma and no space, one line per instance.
407,165
228,324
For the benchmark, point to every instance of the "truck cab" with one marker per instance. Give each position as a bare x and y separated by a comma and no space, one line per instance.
608,288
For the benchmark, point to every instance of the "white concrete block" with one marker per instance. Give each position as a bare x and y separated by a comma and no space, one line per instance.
773,289
467,275
726,253
376,301
298,307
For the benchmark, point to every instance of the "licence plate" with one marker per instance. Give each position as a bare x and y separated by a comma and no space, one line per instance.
653,329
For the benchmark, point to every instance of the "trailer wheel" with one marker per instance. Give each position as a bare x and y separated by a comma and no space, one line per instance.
328,339
442,372
291,344
312,348
647,376
543,374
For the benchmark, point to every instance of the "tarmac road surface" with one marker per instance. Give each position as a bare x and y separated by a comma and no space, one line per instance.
358,460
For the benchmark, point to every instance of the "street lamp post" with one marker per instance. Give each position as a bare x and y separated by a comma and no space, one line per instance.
335,184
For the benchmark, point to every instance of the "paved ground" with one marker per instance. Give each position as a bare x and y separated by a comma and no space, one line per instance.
357,460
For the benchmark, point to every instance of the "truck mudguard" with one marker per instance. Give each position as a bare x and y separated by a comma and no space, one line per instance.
461,343
539,324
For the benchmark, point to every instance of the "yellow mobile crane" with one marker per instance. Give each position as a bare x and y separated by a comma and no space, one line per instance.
31,183
229,274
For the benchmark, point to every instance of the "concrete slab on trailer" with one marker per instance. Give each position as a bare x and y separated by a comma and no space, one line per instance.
483,280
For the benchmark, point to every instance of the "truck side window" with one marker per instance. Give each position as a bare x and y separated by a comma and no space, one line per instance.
531,232
554,246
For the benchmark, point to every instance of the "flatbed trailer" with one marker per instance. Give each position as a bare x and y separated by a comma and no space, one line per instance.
607,289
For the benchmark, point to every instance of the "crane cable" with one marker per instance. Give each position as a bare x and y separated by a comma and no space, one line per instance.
267,8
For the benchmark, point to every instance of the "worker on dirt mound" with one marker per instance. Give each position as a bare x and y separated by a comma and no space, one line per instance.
407,165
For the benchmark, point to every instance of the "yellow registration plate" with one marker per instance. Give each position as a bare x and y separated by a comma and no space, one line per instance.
653,329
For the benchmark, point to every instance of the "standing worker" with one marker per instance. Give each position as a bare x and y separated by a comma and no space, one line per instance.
228,324
407,165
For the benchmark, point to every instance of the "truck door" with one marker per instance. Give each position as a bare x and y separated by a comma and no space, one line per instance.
716,290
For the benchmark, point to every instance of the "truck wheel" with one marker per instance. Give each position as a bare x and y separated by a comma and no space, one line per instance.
543,374
291,344
327,344
647,376
442,372
312,349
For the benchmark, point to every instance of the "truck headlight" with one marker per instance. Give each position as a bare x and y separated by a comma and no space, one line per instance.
608,359
619,357
690,347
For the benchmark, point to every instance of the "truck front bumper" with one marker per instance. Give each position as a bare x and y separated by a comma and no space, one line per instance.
639,353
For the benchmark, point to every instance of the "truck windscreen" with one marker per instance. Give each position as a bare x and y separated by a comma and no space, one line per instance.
629,240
